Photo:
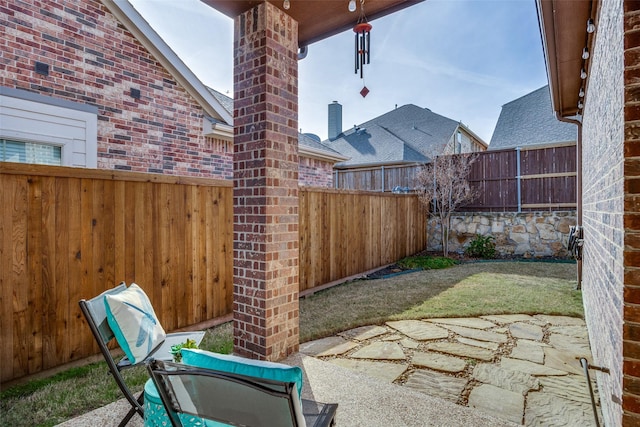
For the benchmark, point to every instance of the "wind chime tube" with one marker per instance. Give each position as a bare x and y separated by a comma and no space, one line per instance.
357,56
362,53
368,47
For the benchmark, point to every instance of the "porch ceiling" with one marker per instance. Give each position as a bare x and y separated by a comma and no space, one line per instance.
563,25
317,19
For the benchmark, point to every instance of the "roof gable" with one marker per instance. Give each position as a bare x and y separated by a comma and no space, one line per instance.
530,120
142,31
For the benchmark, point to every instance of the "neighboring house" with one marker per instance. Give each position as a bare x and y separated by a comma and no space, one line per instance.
90,84
599,90
529,121
402,138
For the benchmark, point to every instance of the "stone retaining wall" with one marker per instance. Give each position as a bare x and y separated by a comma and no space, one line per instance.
526,234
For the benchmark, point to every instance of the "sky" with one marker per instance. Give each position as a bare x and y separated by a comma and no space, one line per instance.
462,59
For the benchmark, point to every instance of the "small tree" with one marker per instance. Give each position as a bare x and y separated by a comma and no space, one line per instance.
443,187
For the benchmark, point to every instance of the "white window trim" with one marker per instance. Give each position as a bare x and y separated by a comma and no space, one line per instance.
23,106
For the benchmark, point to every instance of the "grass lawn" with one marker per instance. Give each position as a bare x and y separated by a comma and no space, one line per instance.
460,291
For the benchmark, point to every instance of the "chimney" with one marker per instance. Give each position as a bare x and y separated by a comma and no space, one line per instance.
335,120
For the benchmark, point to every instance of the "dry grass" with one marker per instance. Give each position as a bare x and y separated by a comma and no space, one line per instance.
464,290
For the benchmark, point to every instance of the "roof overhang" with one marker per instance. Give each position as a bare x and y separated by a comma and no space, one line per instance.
323,155
563,26
317,19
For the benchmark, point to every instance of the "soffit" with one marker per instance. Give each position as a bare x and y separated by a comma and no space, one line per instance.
317,19
563,25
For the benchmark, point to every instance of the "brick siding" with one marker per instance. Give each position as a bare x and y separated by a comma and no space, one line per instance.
316,173
631,225
266,241
603,179
93,59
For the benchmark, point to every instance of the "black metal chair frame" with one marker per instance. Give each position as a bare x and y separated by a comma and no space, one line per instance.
95,314
315,414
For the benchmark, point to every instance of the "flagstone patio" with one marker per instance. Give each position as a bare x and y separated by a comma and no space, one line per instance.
520,368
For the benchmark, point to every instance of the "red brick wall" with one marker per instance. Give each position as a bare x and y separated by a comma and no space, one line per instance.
631,330
93,59
266,240
316,173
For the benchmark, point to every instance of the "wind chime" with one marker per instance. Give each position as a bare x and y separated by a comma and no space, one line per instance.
363,46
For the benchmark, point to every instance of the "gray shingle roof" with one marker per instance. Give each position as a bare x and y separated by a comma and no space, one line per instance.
530,120
407,134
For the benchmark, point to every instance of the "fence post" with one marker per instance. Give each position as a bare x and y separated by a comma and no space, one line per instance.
518,179
382,171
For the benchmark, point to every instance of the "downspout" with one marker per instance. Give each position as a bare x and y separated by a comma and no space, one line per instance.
578,123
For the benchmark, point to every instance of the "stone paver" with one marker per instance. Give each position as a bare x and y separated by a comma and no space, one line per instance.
418,330
469,322
570,387
484,344
562,360
364,333
579,332
529,367
394,337
575,346
380,351
528,350
508,318
438,362
409,343
526,331
463,350
515,381
477,334
560,320
498,402
436,384
387,372
331,346
548,410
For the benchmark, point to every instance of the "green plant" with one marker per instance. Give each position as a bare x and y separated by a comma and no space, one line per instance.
481,247
426,262
176,350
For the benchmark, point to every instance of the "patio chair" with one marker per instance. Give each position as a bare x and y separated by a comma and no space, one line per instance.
221,398
95,312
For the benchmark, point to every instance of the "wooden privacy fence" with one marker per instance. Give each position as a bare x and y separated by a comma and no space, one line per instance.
343,233
524,179
511,180
70,233
381,178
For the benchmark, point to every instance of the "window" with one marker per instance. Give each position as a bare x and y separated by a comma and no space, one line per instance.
41,129
30,152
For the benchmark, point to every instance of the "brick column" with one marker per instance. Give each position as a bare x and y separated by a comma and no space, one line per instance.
265,173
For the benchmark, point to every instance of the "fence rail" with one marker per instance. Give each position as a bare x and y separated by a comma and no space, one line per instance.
70,233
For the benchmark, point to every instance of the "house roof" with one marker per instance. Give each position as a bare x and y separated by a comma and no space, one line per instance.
407,134
530,120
